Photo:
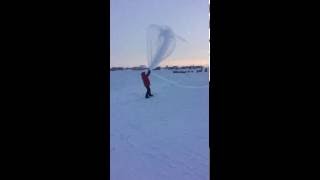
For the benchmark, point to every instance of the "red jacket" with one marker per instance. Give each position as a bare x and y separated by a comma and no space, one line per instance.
145,78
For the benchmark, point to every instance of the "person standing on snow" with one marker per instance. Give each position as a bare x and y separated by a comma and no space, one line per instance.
146,82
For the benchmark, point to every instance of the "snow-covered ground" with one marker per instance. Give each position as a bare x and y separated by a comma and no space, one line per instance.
165,137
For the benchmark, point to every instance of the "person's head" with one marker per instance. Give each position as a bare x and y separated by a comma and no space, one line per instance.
143,73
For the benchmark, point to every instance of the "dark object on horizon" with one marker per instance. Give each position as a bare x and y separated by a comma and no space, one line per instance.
157,68
173,67
116,68
179,71
139,68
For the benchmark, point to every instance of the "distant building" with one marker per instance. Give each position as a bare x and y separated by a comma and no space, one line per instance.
116,68
142,67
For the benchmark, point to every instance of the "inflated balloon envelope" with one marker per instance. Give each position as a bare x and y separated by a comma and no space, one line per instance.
161,42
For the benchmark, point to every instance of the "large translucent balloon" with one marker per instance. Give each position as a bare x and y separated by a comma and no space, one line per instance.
161,42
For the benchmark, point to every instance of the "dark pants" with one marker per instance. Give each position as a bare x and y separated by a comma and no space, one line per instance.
148,92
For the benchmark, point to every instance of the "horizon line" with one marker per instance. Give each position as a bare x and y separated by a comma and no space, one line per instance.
160,66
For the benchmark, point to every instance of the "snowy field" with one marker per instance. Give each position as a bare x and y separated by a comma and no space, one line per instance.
165,137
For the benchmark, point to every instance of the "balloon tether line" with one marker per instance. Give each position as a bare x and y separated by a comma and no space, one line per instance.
178,84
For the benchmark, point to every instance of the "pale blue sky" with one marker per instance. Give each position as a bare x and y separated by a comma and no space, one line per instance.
130,18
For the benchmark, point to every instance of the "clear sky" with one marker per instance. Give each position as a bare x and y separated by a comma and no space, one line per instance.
130,18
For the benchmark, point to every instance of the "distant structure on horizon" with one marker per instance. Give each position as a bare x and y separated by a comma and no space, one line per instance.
116,69
143,67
